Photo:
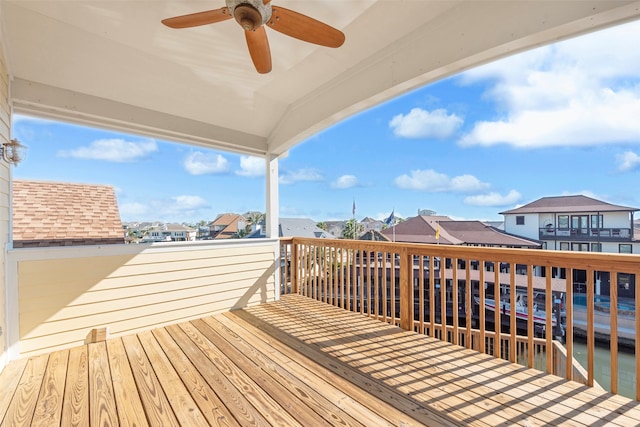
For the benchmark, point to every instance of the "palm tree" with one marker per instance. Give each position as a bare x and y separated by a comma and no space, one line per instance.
254,218
352,229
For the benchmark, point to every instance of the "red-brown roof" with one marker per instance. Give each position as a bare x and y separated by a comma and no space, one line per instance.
228,224
422,229
64,214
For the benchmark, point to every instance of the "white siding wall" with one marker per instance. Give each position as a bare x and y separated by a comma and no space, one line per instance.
616,220
5,209
530,229
64,293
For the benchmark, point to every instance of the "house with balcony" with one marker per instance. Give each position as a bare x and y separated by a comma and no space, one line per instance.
213,332
170,233
575,223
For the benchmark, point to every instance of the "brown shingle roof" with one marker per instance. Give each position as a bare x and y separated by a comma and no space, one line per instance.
576,203
64,214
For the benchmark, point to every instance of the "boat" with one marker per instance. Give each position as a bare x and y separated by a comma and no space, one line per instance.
539,316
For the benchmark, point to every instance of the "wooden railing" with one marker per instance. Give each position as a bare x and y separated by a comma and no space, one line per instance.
411,285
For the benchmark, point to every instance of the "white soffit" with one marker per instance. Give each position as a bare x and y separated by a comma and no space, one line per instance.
113,64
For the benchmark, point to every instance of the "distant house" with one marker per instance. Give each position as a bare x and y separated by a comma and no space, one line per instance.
226,226
64,214
335,228
444,230
575,223
296,227
171,233
370,224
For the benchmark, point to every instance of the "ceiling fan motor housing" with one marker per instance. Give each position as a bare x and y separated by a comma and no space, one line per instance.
246,16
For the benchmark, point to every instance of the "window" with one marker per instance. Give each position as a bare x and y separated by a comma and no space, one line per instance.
596,247
564,246
579,221
596,221
520,220
580,247
563,221
625,248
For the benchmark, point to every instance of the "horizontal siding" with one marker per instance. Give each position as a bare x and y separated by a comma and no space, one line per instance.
62,300
5,123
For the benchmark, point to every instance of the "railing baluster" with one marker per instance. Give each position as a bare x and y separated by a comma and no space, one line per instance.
590,328
443,299
530,349
432,295
497,302
613,342
469,310
568,334
406,291
513,351
393,288
481,309
385,289
455,305
421,293
548,299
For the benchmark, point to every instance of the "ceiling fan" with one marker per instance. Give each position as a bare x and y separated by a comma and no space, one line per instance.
253,15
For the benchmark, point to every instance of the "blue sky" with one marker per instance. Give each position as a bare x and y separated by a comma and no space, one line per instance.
561,119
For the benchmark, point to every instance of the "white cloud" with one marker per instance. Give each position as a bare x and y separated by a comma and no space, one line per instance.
113,150
300,175
419,123
173,209
134,210
432,181
251,166
580,92
186,202
345,181
199,163
493,199
628,161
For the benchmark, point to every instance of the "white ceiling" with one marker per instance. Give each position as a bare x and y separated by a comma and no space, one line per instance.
113,64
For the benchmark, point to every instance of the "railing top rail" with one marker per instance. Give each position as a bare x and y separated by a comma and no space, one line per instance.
628,263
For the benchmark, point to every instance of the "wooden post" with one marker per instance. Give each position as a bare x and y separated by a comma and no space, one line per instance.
293,267
406,292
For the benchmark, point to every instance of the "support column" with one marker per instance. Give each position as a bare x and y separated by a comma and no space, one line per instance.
273,217
273,213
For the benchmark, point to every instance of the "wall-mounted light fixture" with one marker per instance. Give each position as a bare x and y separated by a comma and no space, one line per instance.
12,151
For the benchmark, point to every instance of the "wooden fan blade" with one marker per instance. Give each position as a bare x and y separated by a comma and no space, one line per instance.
200,18
304,28
258,45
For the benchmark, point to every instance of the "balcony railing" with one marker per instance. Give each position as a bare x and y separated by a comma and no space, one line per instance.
586,234
411,285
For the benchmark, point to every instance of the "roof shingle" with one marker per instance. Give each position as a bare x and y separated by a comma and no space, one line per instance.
63,214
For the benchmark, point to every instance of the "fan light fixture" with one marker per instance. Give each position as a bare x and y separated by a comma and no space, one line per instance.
13,152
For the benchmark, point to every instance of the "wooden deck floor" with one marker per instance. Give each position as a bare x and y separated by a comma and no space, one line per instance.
293,362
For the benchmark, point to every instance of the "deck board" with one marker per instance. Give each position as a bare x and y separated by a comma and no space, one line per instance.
292,362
